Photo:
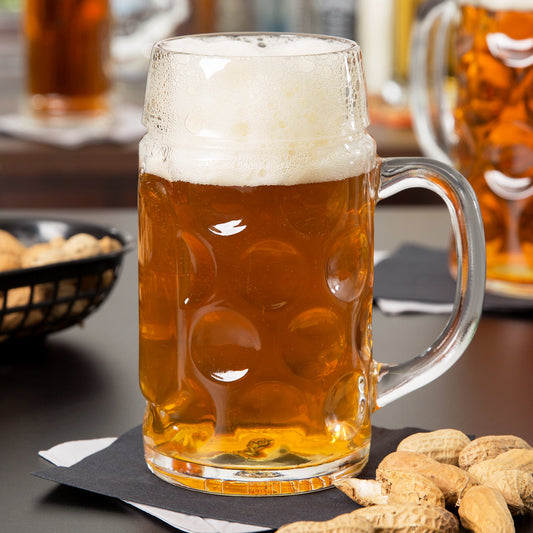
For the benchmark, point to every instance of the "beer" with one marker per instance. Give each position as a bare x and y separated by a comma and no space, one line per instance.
255,307
67,57
494,128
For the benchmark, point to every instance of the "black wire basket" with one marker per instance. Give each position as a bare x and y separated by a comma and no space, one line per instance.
43,299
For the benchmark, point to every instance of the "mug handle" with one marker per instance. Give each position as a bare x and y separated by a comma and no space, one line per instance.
397,174
433,138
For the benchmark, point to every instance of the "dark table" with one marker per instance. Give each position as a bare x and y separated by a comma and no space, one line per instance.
82,383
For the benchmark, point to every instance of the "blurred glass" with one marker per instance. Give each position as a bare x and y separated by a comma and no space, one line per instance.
67,59
75,48
384,33
486,128
138,24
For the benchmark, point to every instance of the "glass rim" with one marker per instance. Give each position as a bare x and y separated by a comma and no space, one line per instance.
349,44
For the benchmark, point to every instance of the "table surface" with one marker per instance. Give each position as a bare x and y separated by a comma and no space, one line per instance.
81,383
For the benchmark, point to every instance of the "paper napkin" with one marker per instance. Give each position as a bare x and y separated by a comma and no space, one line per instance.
116,468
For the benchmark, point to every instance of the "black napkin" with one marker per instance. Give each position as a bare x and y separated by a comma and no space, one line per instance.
417,273
119,471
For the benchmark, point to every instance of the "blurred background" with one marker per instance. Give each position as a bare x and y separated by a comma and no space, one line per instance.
36,170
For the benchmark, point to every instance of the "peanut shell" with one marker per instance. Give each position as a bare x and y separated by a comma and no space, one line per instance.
483,510
450,479
488,447
409,518
443,445
344,523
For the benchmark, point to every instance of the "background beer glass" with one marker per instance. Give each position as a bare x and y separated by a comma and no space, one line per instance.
67,59
491,135
257,189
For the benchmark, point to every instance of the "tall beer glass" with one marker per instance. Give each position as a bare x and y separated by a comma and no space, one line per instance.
257,189
491,135
67,59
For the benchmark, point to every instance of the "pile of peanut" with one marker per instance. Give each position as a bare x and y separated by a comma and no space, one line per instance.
435,481
15,255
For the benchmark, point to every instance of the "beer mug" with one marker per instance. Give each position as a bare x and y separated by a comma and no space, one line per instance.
257,188
70,45
487,132
67,59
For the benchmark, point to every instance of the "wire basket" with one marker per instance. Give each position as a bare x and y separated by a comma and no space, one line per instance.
39,300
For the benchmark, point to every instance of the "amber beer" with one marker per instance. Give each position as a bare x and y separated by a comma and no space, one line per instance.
255,309
494,127
67,58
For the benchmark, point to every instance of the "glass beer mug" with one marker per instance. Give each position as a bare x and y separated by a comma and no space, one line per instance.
257,188
70,46
67,59
488,130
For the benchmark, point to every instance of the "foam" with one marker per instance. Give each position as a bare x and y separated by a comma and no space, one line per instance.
503,5
256,110
254,45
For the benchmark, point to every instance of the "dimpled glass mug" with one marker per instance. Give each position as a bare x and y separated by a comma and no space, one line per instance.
257,189
488,133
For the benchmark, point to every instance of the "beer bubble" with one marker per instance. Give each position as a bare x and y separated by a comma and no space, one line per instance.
271,274
348,264
196,269
345,407
224,345
315,343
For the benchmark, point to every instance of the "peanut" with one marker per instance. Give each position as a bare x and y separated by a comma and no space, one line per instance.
365,492
20,297
67,289
9,261
10,244
42,254
410,487
516,487
450,479
488,447
80,246
108,245
517,459
483,510
409,517
344,523
443,445
393,487
58,249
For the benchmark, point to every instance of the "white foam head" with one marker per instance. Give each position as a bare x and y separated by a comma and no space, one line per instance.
501,5
256,109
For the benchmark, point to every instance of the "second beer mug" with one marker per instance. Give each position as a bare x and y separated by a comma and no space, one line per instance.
491,138
257,188
67,57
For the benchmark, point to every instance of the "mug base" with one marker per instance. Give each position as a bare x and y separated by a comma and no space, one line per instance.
254,481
